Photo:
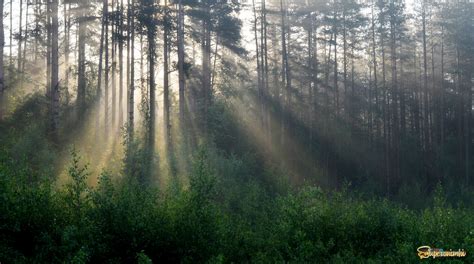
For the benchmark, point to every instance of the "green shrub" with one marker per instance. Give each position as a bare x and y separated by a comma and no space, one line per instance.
220,218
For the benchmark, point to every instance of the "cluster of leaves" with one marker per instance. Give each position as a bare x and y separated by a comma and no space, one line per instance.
222,216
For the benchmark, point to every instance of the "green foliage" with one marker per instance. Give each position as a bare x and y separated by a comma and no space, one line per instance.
203,179
222,217
136,161
142,258
78,187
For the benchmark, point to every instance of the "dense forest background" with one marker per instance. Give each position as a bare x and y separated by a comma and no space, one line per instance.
235,131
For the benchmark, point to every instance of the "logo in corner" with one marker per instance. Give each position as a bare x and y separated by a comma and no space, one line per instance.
427,251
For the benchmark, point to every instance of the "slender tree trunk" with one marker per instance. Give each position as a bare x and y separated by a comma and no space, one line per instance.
442,94
469,64
81,71
335,85
20,34
181,73
206,67
314,94
435,131
460,113
114,66
37,14
11,66
352,105
264,53
370,108
336,93
425,82
214,62
54,67
25,38
2,72
67,27
344,59
48,50
396,125
284,73
402,94
127,74
121,79
385,116
259,74
142,71
151,63
311,81
375,85
131,93
166,92
416,104
107,69
327,106
99,75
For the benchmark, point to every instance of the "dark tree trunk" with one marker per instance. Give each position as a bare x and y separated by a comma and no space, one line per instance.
2,71
131,93
81,71
54,68
181,73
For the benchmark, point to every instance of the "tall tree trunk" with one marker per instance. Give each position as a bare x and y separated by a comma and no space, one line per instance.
352,105
114,66
385,115
2,72
264,66
425,81
311,81
131,93
67,28
206,67
181,62
459,113
285,75
11,66
121,79
416,103
469,64
48,50
442,94
151,70
314,94
142,63
166,92
107,69
344,59
435,131
25,38
259,74
402,94
396,125
181,73
54,67
335,84
81,71
99,75
20,34
370,108
375,86
37,13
